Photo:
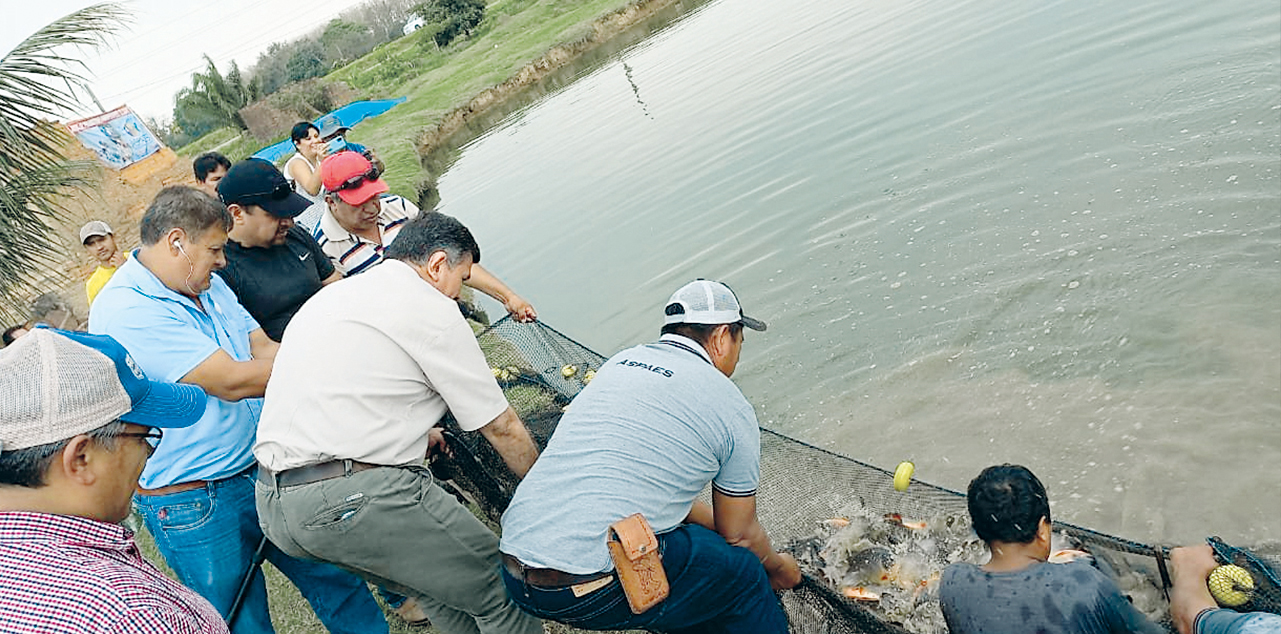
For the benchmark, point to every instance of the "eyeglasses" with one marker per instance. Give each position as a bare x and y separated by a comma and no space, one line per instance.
154,433
358,180
280,192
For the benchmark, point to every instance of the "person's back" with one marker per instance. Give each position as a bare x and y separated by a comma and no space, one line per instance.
1045,598
1017,591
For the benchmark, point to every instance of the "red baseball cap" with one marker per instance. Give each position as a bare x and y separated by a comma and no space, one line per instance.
352,177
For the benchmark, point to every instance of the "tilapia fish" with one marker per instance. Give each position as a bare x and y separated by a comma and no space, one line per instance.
892,564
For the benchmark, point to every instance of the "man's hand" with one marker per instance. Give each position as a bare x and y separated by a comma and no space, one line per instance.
1191,566
436,443
520,309
783,571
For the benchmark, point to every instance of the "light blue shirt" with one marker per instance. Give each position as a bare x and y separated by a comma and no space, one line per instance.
654,427
168,335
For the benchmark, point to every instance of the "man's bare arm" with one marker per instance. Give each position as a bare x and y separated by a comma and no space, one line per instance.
485,282
735,519
511,439
228,379
261,346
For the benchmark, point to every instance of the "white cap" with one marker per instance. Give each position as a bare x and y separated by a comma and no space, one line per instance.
94,228
707,302
56,384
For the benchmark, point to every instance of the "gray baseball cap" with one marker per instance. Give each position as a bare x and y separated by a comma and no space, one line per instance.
94,228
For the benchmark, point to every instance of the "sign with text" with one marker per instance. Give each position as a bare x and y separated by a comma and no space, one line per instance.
118,137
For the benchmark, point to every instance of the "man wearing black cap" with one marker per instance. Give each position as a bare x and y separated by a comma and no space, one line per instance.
272,265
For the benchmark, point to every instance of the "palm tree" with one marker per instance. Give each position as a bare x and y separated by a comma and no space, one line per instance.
37,85
213,97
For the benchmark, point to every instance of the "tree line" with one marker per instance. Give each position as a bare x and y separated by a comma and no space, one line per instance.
214,99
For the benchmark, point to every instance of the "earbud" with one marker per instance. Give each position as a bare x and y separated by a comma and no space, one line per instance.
177,244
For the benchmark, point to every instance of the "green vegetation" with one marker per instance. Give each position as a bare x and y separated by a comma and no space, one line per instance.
512,34
36,83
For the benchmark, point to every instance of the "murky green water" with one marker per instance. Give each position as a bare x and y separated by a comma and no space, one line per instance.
1045,233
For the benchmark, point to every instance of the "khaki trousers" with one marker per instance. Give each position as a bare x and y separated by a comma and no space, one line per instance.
396,528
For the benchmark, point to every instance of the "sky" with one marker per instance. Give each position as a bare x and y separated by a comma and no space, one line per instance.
154,55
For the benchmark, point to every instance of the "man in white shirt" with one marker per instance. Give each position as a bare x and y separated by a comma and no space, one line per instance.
369,368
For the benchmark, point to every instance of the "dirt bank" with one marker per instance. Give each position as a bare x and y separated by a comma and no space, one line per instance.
602,31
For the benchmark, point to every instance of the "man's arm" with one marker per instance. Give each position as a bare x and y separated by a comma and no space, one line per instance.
261,346
232,380
511,439
485,282
1191,567
735,520
332,278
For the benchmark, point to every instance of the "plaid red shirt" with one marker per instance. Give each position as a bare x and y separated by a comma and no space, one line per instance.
72,575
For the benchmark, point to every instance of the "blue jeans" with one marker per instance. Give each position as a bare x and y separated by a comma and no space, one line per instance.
1223,621
208,536
715,588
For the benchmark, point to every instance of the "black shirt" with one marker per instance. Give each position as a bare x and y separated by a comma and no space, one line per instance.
273,282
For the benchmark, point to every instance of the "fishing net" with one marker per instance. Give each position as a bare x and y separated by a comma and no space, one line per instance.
805,491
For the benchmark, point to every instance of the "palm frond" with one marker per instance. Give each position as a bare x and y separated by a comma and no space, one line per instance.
39,82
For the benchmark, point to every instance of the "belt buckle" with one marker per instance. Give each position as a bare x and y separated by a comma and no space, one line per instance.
588,587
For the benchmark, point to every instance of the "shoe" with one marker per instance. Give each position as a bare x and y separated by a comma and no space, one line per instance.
411,612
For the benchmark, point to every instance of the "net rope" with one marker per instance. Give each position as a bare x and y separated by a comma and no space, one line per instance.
541,370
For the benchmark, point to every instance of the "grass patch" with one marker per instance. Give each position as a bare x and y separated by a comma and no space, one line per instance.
234,144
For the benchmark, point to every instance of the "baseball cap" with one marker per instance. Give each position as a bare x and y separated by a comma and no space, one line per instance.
330,125
352,177
707,302
94,228
258,182
55,384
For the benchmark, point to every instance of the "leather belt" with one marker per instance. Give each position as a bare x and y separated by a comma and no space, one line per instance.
311,473
173,488
551,579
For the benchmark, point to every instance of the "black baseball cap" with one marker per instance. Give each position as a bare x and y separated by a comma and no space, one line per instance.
258,182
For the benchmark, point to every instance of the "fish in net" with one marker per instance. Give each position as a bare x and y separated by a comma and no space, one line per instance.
854,535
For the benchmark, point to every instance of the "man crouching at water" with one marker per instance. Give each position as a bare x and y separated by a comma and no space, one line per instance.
368,369
655,426
1017,591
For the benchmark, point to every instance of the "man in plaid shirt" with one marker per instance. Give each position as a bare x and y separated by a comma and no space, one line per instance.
78,420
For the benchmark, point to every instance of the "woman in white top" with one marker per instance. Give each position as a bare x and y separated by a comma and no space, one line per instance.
302,170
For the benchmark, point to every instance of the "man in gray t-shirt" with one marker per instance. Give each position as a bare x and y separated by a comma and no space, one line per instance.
1017,591
657,424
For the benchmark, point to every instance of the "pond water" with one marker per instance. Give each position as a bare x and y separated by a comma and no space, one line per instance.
1044,233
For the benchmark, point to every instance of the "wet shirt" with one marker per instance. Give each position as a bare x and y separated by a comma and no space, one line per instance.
1044,598
654,427
273,282
73,575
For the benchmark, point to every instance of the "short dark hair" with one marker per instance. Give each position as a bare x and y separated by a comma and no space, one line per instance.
27,467
208,162
186,208
300,130
8,337
701,333
431,232
1006,504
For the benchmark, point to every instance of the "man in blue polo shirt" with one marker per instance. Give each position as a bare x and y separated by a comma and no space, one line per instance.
657,423
183,324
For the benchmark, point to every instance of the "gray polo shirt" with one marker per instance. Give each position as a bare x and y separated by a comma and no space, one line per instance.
654,427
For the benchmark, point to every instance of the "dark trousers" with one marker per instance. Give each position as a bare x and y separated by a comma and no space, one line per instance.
715,588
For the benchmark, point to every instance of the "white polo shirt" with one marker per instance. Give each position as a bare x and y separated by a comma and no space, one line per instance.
369,365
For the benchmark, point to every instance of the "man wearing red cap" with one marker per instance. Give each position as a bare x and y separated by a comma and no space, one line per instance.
360,223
